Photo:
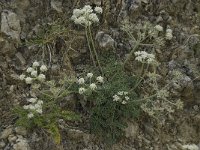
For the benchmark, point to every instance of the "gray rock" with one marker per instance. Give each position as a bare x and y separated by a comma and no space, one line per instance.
75,134
149,130
79,135
6,46
97,2
132,130
12,138
20,58
10,25
105,40
56,5
22,144
188,88
21,131
6,133
2,144
22,5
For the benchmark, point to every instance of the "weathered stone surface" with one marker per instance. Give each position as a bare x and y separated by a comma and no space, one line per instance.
6,133
6,46
12,138
132,130
105,41
22,144
20,58
2,144
56,5
31,16
21,131
10,25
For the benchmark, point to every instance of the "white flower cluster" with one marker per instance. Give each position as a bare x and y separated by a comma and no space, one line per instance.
145,57
159,28
92,86
86,16
162,94
35,106
169,35
190,147
35,73
121,97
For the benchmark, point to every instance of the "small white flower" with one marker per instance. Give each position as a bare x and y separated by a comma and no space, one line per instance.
93,17
29,69
120,93
116,98
39,111
125,93
40,102
43,68
127,98
98,10
32,100
159,28
124,102
144,57
31,107
22,77
93,86
74,17
86,16
77,12
81,81
190,147
100,79
34,73
82,90
81,20
169,31
90,75
87,9
28,80
36,64
26,107
150,61
37,106
169,36
30,115
41,77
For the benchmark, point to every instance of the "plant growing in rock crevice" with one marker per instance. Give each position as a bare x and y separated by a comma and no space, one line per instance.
86,17
109,101
157,99
42,109
110,104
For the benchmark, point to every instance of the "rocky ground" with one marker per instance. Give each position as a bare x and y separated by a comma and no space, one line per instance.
23,20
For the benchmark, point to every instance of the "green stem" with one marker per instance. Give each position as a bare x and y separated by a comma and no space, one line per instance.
94,49
113,116
137,43
143,99
141,77
88,42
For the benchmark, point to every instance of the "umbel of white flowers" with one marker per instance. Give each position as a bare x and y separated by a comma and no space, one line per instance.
35,72
169,35
91,86
121,97
159,28
35,106
145,57
86,16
